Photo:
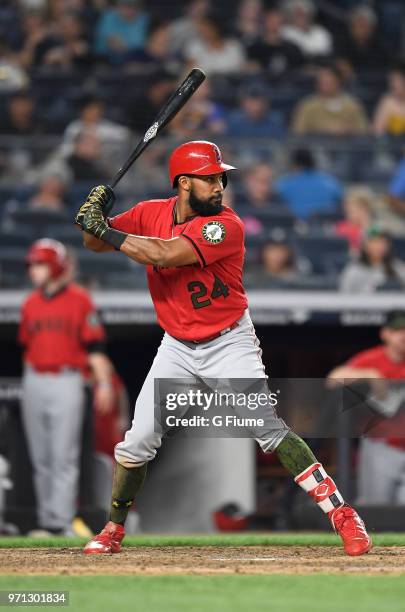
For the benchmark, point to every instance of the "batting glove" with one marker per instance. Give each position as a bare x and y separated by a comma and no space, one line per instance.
94,223
102,195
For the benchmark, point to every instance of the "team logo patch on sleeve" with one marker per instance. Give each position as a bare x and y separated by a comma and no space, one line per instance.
214,232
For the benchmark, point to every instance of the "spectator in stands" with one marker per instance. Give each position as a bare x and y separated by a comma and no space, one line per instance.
184,30
278,261
121,29
86,11
156,55
69,49
375,268
330,110
50,195
85,161
13,77
254,118
214,52
358,208
38,38
257,187
307,190
359,49
278,267
271,52
142,109
389,117
113,137
200,115
20,119
381,473
248,21
311,38
396,194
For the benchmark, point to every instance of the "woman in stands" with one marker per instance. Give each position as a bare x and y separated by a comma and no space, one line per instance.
376,267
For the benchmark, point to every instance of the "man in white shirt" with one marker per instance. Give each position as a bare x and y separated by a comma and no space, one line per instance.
312,39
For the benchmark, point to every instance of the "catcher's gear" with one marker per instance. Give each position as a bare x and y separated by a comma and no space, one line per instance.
51,252
107,541
198,157
102,195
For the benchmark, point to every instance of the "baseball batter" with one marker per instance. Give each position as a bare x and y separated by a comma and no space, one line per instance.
193,247
62,336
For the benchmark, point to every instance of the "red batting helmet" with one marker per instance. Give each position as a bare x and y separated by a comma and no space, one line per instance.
51,252
198,157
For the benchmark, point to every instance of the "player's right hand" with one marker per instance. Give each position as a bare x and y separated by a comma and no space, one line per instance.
102,195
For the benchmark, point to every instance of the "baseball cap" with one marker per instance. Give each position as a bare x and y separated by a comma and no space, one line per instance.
395,319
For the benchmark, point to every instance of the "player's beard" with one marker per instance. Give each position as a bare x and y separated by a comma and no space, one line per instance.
206,208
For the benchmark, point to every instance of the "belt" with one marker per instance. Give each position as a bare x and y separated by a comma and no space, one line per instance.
195,343
57,369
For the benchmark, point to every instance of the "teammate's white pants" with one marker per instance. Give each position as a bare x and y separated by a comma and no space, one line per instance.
52,413
381,474
236,355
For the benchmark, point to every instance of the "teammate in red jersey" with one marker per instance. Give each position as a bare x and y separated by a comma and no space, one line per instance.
110,425
61,336
193,247
381,469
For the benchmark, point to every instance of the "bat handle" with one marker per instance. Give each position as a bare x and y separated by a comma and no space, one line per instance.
115,179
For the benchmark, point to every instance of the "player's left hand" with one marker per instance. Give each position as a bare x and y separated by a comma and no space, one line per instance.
94,222
102,195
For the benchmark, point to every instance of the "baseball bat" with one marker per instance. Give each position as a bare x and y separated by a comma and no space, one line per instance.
174,104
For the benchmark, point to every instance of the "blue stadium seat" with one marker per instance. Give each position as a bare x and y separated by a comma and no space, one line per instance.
12,267
100,264
16,238
68,234
327,255
398,247
38,218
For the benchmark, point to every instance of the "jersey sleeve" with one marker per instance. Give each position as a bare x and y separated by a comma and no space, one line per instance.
92,330
362,360
130,221
215,239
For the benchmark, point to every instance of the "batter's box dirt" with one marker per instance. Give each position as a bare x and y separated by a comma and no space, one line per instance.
207,560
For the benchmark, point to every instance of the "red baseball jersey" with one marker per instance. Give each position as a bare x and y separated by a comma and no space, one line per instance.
57,331
378,359
196,301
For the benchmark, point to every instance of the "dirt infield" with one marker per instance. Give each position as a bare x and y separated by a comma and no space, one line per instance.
206,560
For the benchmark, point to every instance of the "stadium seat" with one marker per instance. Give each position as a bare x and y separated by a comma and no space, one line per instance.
35,218
68,234
327,255
98,265
15,238
398,247
319,220
12,267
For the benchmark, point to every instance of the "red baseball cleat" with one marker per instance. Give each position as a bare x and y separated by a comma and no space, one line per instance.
347,523
107,541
